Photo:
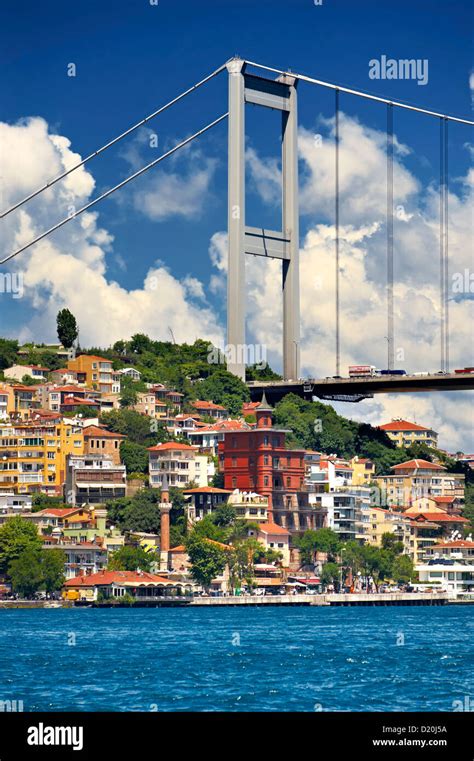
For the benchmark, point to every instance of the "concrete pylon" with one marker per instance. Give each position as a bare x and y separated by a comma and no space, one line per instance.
279,94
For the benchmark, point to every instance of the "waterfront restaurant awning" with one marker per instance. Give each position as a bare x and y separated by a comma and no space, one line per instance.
311,581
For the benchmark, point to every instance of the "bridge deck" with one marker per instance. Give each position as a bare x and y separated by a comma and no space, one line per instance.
379,384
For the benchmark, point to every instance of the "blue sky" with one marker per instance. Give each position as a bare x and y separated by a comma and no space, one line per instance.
130,58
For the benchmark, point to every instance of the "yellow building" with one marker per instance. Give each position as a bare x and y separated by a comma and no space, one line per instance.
419,478
404,433
33,455
388,522
363,471
7,401
94,372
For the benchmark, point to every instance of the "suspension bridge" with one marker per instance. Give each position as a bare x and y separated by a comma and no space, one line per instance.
277,90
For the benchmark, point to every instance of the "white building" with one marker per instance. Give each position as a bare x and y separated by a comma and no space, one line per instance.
17,372
450,566
181,463
15,503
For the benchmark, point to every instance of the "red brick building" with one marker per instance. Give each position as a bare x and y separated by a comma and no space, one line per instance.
257,460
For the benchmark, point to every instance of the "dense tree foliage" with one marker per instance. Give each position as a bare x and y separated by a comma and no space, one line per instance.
130,558
134,457
17,535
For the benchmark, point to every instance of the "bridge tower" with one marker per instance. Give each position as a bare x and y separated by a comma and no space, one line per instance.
277,94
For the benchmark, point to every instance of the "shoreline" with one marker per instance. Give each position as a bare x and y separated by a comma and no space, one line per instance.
322,600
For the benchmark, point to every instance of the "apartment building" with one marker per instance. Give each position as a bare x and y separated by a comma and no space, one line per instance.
381,521
209,409
99,440
181,464
7,401
363,471
33,455
93,479
404,433
204,500
343,512
94,372
419,478
450,566
25,401
18,372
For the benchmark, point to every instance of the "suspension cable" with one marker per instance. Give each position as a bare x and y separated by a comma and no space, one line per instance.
360,93
336,146
112,142
446,249
390,315
442,271
116,187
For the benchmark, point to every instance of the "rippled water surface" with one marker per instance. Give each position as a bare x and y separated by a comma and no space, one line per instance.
238,659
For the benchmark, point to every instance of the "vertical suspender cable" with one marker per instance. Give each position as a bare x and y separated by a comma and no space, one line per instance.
338,347
446,249
441,246
390,318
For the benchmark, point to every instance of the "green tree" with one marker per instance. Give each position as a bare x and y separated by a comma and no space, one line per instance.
137,513
8,353
134,457
402,569
207,560
67,328
321,540
130,558
17,535
330,574
26,572
52,568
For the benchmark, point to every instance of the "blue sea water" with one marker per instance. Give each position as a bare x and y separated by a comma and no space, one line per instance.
238,659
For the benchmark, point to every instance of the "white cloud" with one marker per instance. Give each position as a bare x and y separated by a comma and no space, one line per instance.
165,193
70,268
363,274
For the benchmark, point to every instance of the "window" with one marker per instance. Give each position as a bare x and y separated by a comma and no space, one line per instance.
265,440
265,460
265,481
234,462
234,482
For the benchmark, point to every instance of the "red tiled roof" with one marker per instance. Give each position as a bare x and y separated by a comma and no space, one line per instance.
443,500
179,548
273,528
103,433
208,490
74,401
441,518
421,464
59,512
170,445
109,577
203,405
402,425
93,356
458,544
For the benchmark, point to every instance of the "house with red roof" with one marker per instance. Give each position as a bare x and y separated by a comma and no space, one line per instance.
404,433
210,409
410,480
142,586
182,464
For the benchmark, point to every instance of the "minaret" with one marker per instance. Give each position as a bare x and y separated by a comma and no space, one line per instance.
264,415
165,507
